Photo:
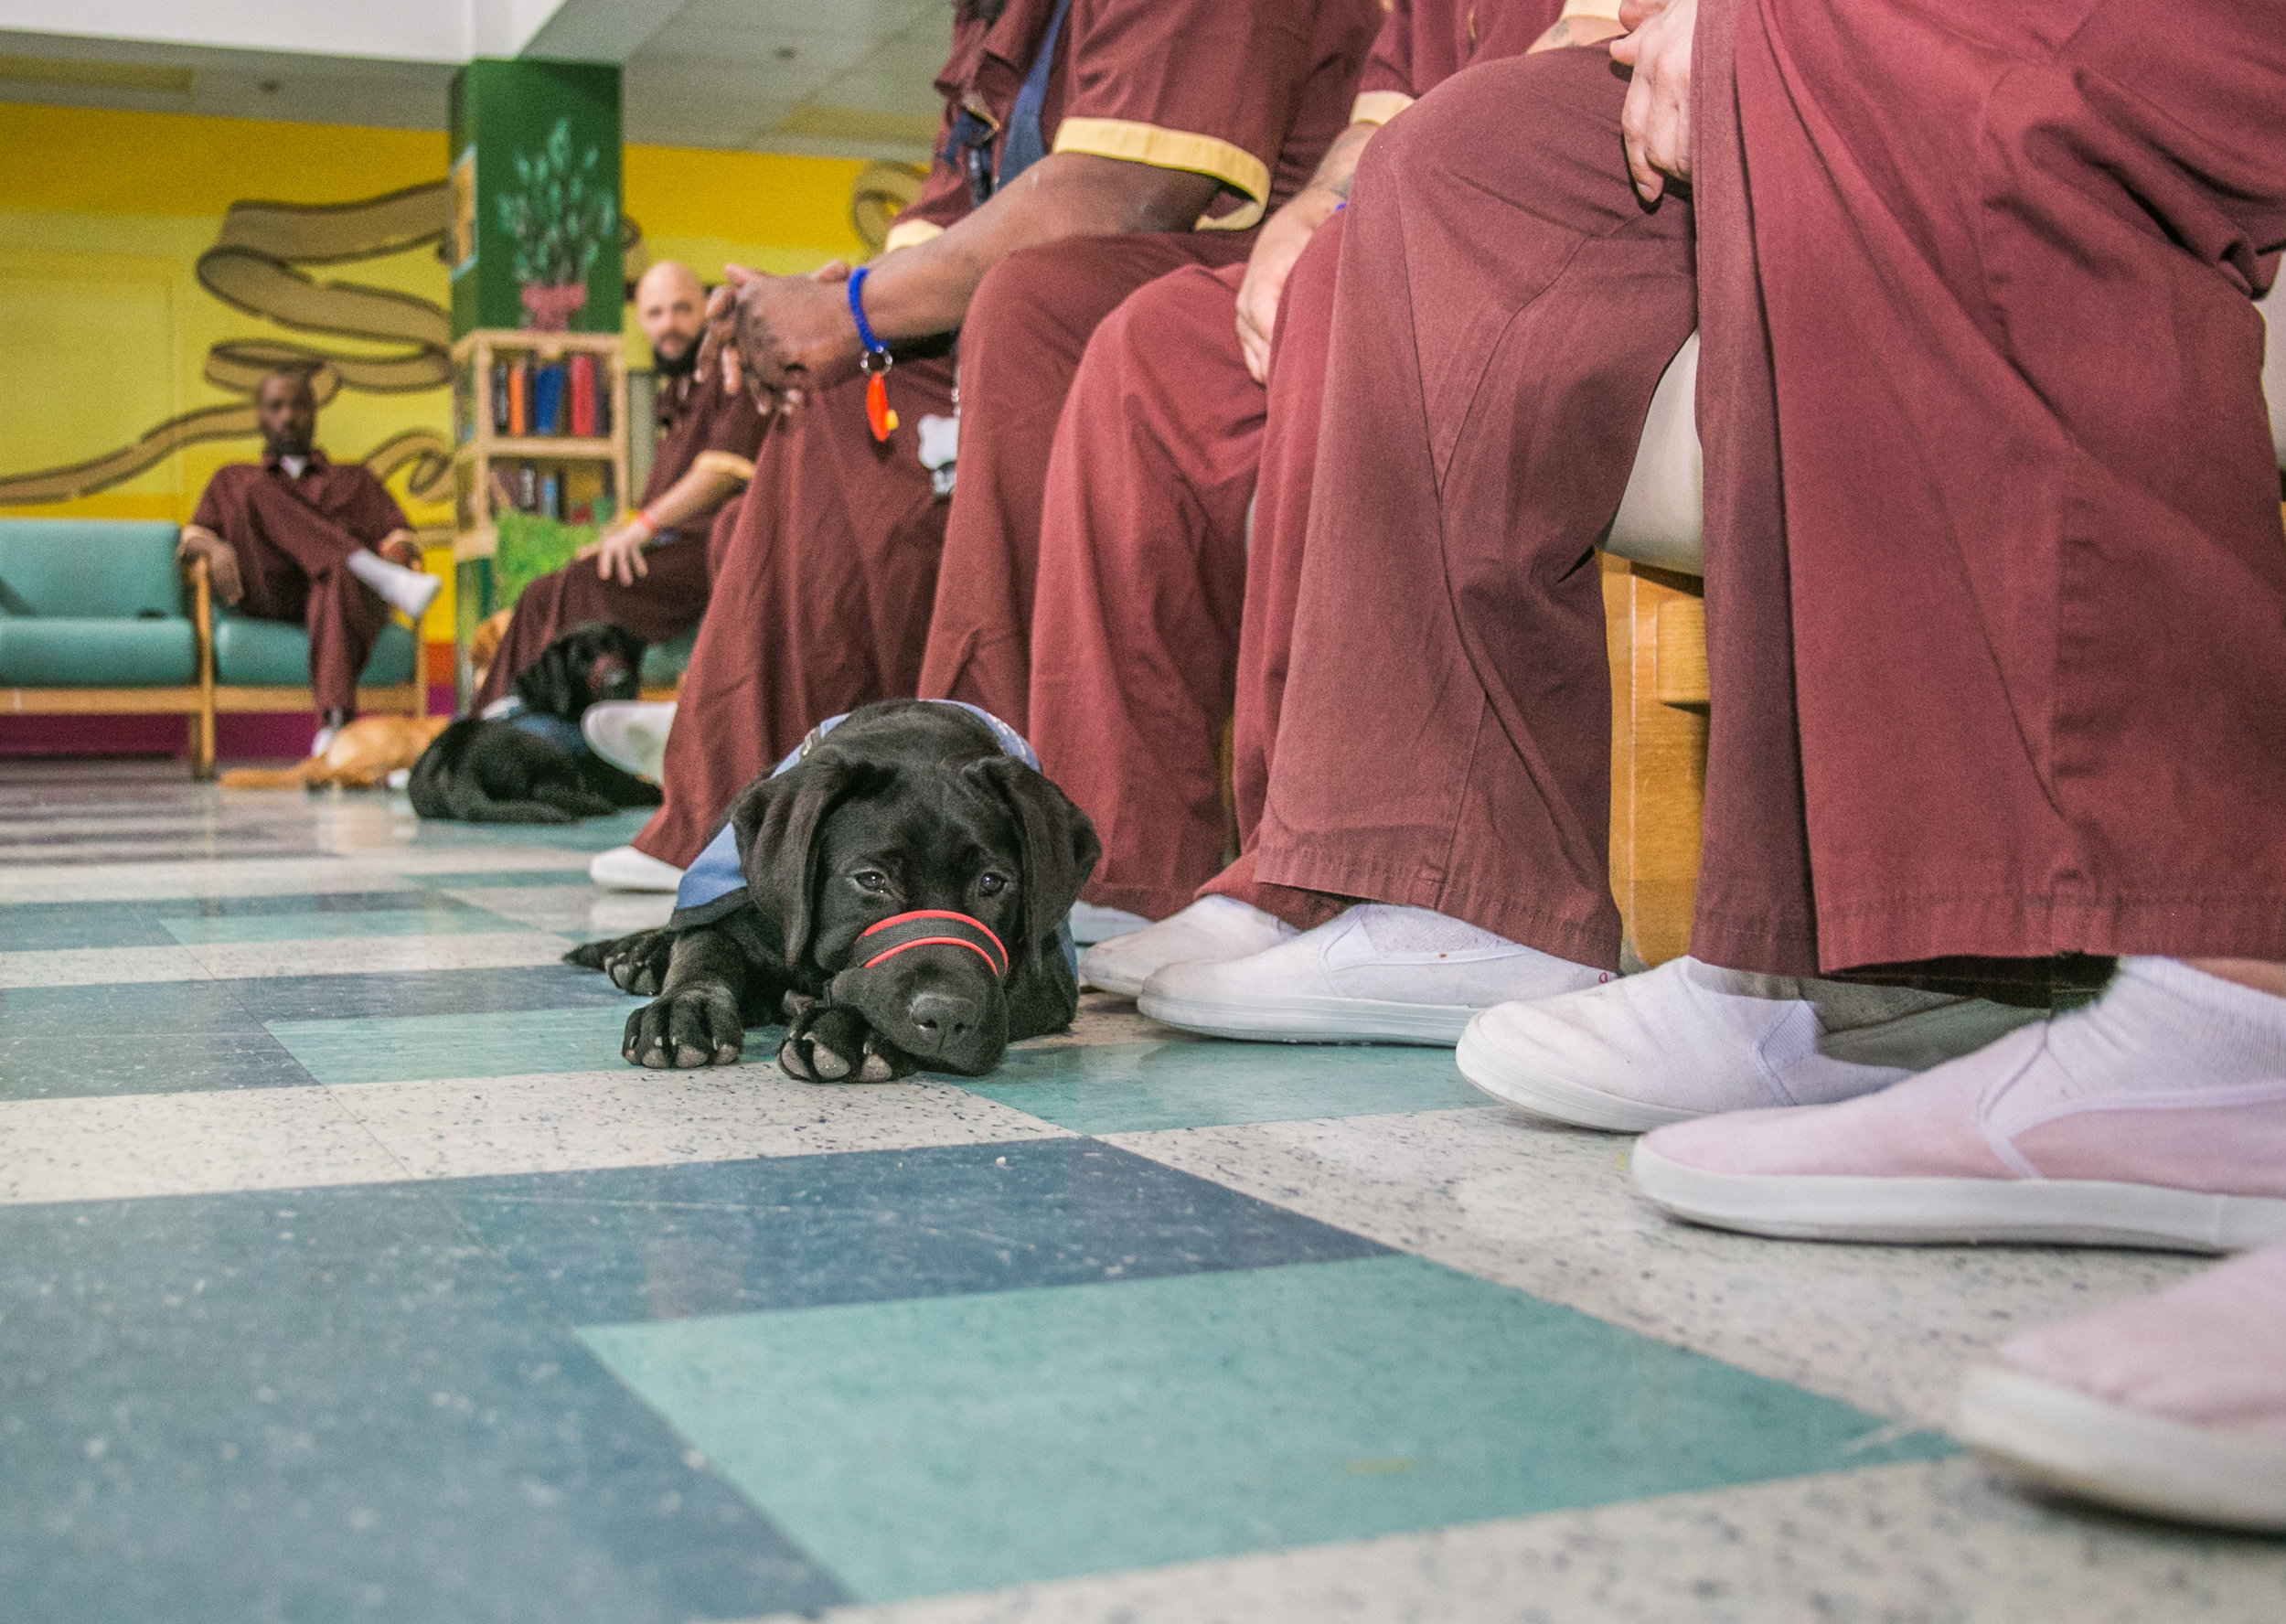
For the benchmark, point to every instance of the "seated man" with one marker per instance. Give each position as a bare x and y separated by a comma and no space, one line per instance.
297,538
1178,491
1504,306
1996,597
649,571
1148,136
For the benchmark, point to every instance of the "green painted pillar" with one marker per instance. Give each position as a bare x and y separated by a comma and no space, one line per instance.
535,233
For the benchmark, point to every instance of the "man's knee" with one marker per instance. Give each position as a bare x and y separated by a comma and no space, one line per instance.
1032,296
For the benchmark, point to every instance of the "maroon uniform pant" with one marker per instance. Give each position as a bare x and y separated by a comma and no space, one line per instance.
1158,617
658,607
295,562
1504,310
1993,530
1027,329
824,573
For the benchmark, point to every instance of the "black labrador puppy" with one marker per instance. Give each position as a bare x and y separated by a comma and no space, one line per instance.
904,889
530,764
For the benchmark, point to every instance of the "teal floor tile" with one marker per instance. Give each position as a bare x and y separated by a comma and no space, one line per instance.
438,918
917,1447
397,1049
592,834
1099,1088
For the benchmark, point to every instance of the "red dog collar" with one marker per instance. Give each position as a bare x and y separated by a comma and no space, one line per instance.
934,928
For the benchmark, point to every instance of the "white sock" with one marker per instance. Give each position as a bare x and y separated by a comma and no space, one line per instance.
2163,1026
408,589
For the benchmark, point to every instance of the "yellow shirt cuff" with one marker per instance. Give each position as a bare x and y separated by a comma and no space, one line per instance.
910,233
1234,166
1378,107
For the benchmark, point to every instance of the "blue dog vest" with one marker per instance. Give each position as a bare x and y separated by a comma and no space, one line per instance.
553,730
716,877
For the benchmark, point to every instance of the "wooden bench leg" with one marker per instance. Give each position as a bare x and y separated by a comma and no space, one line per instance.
202,637
1655,624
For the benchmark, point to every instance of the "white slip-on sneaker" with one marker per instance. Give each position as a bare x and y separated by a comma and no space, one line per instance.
1377,973
1091,923
1688,1040
2172,1404
2154,1116
622,868
631,734
1210,931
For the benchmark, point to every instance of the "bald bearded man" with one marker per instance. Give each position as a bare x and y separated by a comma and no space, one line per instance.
648,573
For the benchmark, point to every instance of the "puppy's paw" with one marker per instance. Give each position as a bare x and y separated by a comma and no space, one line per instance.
698,1028
834,1046
638,964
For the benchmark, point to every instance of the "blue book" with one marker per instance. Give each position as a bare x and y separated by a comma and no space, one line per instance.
547,399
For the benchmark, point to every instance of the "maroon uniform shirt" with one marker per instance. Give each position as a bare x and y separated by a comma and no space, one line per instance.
702,425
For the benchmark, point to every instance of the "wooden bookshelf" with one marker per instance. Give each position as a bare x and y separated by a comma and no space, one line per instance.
479,447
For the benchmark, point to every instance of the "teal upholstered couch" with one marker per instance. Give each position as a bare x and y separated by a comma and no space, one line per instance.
97,618
270,653
93,603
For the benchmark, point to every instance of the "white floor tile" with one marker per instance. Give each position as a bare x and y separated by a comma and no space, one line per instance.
627,1117
183,1144
94,967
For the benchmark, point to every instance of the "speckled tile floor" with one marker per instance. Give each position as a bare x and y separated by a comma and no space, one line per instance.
345,1273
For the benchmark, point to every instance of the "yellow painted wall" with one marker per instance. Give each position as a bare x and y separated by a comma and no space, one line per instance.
104,328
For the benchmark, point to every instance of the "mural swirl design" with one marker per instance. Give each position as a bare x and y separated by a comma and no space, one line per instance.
255,266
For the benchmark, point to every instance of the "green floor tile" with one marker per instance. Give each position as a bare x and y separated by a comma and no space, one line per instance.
1098,1088
946,1444
399,1049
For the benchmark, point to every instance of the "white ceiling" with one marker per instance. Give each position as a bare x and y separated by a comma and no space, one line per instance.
832,77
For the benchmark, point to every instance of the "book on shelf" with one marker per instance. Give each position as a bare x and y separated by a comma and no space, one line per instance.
519,393
581,386
547,399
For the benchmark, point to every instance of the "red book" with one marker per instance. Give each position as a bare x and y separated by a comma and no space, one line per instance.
582,392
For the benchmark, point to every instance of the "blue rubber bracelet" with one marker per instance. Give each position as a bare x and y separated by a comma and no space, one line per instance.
873,346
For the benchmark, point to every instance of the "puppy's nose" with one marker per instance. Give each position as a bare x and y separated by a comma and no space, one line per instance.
943,1020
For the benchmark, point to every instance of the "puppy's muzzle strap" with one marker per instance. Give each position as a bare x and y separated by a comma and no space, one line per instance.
932,927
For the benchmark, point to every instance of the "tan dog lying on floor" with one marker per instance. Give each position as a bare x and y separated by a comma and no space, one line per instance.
363,754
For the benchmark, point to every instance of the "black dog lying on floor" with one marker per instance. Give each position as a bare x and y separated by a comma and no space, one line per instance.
904,889
525,761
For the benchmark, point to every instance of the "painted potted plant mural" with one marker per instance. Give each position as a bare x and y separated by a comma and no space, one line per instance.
560,220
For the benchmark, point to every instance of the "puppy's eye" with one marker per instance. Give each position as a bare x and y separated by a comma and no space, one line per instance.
872,878
992,884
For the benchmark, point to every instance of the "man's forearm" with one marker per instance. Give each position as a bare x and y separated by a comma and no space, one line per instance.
927,288
1338,168
1329,188
693,493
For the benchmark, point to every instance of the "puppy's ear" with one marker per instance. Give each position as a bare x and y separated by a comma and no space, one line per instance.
776,823
1060,847
549,685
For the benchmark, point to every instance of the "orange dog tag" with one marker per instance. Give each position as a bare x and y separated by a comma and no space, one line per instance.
877,409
